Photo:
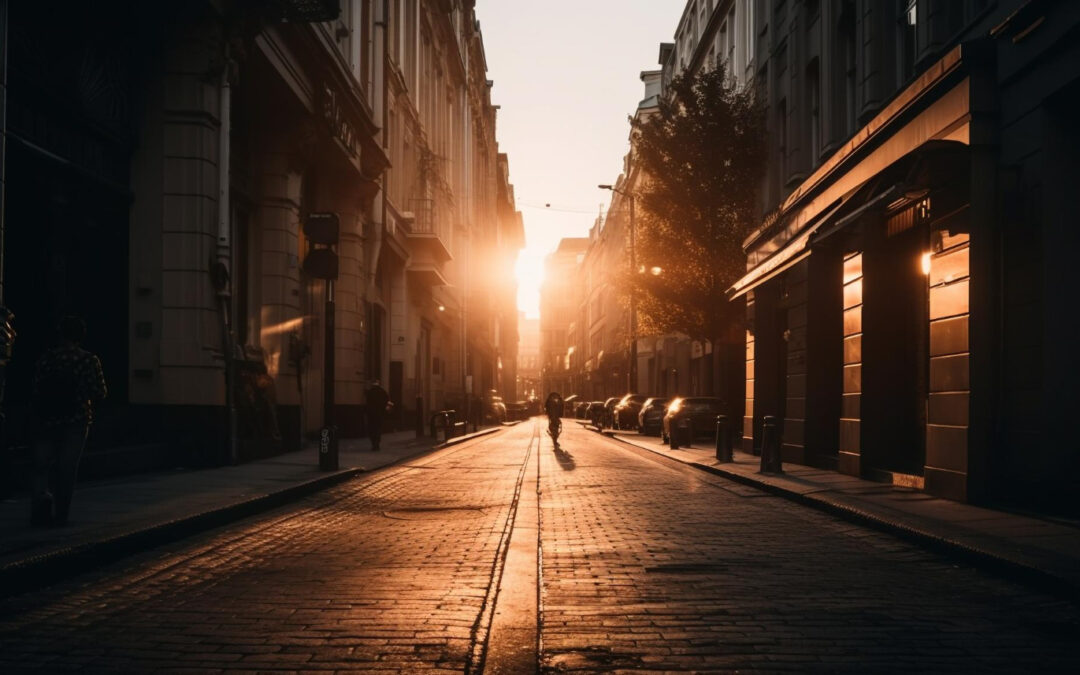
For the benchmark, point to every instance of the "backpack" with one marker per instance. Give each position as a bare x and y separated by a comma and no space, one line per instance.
58,395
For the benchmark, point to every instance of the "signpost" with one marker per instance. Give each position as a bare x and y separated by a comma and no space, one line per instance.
323,229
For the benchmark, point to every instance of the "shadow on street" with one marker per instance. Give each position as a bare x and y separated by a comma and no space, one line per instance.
565,459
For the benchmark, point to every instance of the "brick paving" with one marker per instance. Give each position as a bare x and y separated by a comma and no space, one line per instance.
387,572
648,564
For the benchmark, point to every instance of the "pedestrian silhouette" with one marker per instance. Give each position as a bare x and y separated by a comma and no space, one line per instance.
67,383
378,404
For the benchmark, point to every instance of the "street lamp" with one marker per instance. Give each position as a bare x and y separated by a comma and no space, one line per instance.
631,374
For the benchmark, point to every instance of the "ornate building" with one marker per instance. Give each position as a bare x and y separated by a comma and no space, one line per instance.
119,121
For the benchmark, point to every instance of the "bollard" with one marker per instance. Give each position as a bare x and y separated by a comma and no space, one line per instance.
723,440
328,448
440,427
419,417
770,446
673,433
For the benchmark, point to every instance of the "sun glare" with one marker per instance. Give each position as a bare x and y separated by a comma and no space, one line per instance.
529,272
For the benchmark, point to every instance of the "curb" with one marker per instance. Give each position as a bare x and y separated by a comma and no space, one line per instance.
48,568
467,437
1010,568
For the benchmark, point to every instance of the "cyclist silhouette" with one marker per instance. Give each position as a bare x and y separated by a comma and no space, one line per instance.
553,406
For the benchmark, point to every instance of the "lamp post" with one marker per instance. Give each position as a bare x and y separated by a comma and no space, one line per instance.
631,372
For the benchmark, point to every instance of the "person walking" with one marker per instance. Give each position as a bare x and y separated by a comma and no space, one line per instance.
378,404
67,383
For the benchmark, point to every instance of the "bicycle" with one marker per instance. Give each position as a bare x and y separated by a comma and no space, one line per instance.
554,429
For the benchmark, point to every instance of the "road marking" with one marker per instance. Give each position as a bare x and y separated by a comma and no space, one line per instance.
512,643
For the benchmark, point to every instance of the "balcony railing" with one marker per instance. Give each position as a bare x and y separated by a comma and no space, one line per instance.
424,220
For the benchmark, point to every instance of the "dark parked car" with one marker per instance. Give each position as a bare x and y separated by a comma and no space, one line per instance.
595,413
517,410
533,406
651,416
693,415
607,420
568,405
581,410
626,411
494,408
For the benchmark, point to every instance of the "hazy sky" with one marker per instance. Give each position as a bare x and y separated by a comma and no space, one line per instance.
567,74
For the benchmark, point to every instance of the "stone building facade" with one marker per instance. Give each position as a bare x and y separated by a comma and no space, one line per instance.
560,303
118,210
906,284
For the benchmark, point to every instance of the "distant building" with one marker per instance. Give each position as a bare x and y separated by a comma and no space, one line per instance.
528,362
559,302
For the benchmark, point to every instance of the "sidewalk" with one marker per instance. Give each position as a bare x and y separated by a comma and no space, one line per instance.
121,516
1040,551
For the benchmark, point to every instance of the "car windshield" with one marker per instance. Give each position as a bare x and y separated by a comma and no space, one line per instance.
700,406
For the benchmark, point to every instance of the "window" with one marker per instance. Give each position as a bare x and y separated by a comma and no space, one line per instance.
782,138
907,22
846,46
813,117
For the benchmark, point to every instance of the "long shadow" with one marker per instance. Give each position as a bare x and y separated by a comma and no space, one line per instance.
565,459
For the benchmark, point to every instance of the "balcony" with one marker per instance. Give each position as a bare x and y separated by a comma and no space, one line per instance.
426,235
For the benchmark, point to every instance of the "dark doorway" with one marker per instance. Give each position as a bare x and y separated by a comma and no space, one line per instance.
895,336
67,253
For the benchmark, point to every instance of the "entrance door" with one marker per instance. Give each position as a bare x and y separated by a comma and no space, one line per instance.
895,337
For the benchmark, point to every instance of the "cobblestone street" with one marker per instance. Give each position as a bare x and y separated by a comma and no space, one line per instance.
644,564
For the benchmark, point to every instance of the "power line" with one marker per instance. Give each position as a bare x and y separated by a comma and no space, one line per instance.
559,209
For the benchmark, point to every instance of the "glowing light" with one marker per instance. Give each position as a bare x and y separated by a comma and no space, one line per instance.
656,270
442,308
926,264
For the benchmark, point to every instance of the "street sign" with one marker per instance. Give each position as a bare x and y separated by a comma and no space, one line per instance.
322,228
321,263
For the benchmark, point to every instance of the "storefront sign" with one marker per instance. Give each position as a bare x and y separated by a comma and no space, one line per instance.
337,119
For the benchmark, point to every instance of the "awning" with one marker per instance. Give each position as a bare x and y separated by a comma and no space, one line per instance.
932,165
795,250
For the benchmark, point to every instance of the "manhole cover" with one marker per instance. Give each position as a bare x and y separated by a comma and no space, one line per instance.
435,513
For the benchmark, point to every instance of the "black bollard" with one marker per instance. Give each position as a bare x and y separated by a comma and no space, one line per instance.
673,433
723,440
770,446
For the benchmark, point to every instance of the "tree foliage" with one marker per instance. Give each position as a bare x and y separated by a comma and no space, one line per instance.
701,158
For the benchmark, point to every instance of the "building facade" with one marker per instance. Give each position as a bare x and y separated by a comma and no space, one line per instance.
198,283
560,302
906,283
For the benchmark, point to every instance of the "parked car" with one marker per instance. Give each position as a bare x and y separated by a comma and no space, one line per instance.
533,405
625,414
696,415
517,410
581,410
651,416
595,413
607,420
568,405
494,408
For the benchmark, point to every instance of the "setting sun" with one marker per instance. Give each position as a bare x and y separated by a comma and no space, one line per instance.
529,272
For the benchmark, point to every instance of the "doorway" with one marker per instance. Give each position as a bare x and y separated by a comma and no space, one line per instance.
895,344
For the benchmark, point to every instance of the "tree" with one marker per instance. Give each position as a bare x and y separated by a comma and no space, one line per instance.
701,157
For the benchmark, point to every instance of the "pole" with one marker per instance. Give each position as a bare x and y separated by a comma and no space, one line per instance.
328,441
224,259
631,372
7,333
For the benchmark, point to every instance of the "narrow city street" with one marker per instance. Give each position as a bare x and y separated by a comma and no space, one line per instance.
641,563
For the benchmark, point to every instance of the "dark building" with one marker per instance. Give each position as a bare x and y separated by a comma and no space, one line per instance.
120,115
910,301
